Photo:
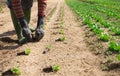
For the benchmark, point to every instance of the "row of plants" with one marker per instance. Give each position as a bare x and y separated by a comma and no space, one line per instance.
54,68
97,23
61,31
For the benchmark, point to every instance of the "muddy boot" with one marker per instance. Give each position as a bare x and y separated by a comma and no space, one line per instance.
39,33
25,28
17,27
27,13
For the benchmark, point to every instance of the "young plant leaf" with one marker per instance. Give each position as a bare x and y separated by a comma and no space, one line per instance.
48,47
27,51
62,38
118,57
16,70
55,68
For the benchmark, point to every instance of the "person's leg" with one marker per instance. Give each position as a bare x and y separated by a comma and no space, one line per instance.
16,25
26,5
41,13
17,9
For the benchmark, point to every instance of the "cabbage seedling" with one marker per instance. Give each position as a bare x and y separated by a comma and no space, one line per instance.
118,57
55,68
104,37
62,38
48,47
27,51
16,70
61,32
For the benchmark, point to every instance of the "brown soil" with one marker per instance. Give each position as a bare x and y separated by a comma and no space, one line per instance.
73,55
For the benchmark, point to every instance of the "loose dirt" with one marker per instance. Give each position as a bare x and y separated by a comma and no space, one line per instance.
72,55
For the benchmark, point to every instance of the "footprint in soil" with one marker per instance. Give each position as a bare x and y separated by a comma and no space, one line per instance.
48,69
8,73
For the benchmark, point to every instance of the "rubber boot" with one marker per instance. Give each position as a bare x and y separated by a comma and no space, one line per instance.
17,27
39,33
25,28
27,13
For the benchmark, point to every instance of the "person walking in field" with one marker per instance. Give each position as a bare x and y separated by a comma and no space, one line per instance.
20,13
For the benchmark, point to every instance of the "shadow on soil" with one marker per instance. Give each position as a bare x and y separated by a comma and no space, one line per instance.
8,33
114,66
47,69
8,73
8,43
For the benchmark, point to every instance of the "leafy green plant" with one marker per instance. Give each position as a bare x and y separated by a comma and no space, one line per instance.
112,28
104,37
118,57
117,31
61,31
55,68
62,38
86,20
97,31
92,27
113,46
27,51
61,26
16,70
48,47
105,24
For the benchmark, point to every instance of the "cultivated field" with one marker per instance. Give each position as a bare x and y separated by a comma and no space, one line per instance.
82,38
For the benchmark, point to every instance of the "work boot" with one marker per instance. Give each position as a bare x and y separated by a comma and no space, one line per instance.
18,29
39,33
25,28
27,13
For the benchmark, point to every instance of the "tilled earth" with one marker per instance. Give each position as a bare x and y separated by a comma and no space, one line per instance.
72,55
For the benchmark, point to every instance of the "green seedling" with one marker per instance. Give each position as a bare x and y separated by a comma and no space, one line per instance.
118,57
1,9
114,47
55,68
97,18
112,28
48,47
61,32
62,38
27,51
98,31
61,26
104,37
117,31
105,24
16,70
86,20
